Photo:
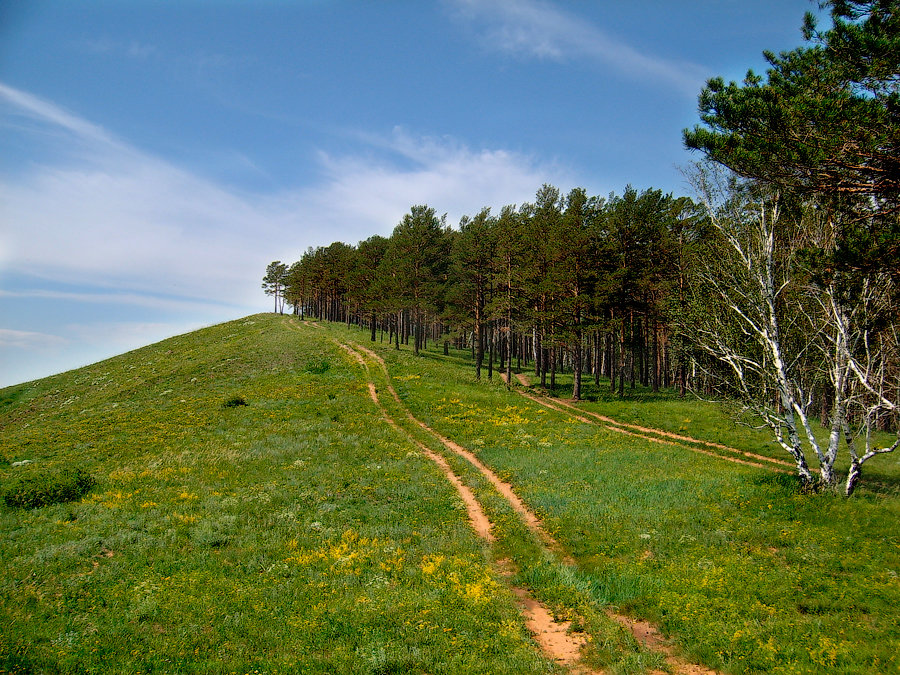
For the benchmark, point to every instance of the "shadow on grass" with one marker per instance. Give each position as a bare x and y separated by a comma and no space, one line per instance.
788,484
877,484
457,356
873,483
602,394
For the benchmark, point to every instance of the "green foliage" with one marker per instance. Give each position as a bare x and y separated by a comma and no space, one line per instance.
43,488
317,366
235,401
274,281
823,122
823,119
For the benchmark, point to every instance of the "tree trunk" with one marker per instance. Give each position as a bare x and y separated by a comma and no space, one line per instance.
656,361
577,366
553,369
623,355
490,331
478,343
545,357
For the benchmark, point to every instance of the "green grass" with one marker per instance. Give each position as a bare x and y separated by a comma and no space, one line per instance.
722,423
292,534
300,533
744,572
517,550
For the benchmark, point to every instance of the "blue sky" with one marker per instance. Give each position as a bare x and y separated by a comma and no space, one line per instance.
155,156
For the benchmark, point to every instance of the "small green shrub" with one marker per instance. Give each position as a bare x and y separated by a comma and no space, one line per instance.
317,366
44,488
234,402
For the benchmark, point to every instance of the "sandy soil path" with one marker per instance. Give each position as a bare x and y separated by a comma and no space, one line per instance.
551,635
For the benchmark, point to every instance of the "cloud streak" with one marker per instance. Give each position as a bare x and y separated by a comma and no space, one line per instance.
97,212
30,340
132,300
535,29
26,105
95,223
440,172
108,215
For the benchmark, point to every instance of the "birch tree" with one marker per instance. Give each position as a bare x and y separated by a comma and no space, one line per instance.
778,328
823,124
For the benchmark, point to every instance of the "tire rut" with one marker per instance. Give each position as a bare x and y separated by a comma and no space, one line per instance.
551,635
477,516
656,435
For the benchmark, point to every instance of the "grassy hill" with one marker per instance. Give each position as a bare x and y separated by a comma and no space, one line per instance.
299,533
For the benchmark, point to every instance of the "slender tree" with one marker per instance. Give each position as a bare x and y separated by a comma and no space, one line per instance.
471,274
416,261
273,282
363,282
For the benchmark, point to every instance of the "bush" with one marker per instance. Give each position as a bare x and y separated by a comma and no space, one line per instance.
317,366
42,489
234,402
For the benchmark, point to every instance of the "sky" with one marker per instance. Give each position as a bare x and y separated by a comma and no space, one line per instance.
155,156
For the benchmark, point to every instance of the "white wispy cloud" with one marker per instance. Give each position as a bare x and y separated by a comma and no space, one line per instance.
536,29
118,48
29,340
113,225
440,172
146,301
21,103
198,62
110,215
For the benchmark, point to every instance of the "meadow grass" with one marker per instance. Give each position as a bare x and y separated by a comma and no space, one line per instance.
745,572
295,534
300,533
525,560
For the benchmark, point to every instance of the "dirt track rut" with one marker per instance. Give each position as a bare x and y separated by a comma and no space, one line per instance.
656,435
552,636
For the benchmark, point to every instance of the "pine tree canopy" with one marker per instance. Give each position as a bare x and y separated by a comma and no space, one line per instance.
825,119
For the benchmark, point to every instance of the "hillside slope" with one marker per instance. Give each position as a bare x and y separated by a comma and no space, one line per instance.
287,535
302,532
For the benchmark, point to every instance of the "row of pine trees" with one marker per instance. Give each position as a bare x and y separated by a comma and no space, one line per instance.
588,285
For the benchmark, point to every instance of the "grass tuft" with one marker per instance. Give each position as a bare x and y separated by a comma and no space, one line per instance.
317,366
235,401
45,488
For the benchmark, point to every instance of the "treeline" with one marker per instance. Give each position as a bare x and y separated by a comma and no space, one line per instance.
779,288
587,285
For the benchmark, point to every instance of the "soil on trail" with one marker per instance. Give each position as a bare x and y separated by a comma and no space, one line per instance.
553,637
505,489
